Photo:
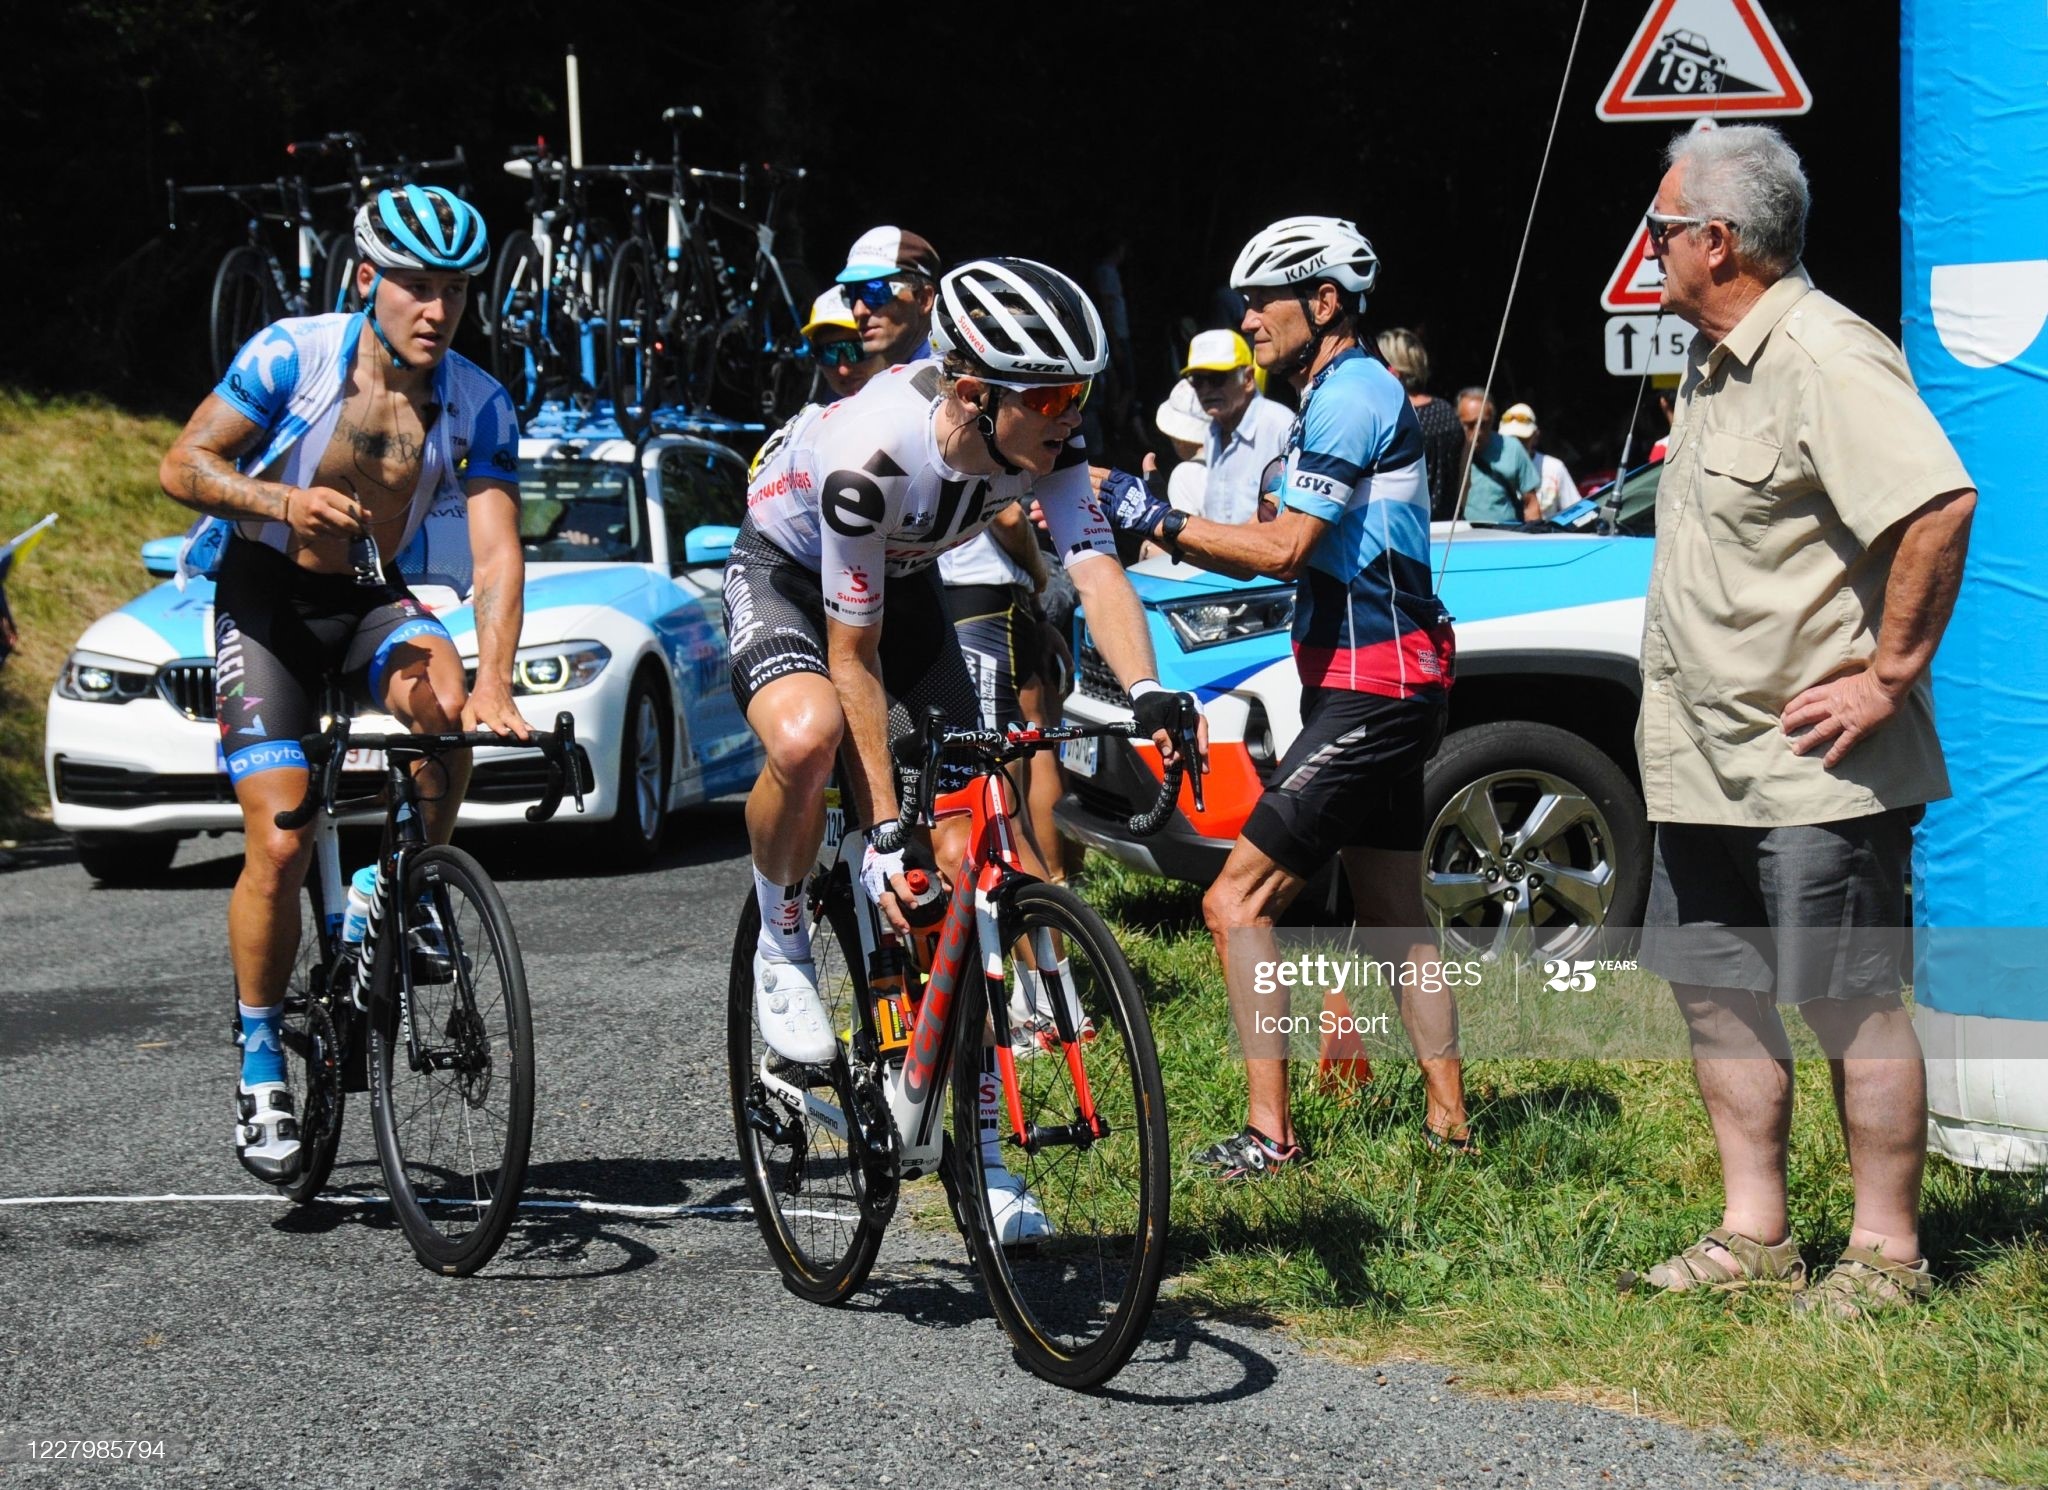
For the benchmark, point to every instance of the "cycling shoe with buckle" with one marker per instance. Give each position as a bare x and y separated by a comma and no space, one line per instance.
267,1132
789,1012
427,941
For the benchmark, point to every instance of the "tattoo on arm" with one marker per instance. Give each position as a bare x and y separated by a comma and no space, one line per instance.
199,471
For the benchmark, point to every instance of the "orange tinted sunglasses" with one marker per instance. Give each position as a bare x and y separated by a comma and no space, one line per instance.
1051,401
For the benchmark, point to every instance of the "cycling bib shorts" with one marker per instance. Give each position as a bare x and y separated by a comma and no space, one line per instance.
279,630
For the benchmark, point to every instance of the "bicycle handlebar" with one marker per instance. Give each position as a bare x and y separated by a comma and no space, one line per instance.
997,747
681,112
326,751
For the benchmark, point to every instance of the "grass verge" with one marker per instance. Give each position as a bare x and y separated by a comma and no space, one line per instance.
95,466
1504,1266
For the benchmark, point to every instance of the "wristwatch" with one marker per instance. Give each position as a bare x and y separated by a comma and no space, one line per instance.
1169,531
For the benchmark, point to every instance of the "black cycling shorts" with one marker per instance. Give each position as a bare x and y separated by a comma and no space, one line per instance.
279,631
775,625
999,639
1351,779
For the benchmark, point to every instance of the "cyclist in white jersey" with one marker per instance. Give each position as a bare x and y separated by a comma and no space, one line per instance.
838,631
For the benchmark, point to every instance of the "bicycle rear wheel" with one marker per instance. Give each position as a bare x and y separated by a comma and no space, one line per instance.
1075,1302
454,1125
245,300
802,1180
312,1050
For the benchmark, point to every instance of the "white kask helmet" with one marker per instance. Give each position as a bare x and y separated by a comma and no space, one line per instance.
1019,321
1298,251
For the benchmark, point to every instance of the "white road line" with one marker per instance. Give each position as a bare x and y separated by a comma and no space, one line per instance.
595,1207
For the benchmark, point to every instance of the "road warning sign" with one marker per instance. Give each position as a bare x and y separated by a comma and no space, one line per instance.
1699,57
1638,280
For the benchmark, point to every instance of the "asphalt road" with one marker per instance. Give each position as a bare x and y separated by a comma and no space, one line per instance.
266,1345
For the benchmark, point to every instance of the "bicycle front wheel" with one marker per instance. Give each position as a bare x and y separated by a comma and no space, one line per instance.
633,333
454,1116
519,333
1070,1239
802,1179
245,300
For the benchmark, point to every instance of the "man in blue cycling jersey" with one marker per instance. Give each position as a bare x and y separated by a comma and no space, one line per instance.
1371,642
333,441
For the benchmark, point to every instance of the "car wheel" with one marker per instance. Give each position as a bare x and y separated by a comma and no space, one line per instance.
1537,843
634,834
127,858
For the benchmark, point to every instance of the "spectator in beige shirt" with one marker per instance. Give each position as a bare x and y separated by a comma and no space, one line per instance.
1811,526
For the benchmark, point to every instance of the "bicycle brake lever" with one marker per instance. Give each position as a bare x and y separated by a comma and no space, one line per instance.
565,735
1185,742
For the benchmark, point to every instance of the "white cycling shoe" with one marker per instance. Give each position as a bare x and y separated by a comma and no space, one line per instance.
1014,1212
789,1012
267,1132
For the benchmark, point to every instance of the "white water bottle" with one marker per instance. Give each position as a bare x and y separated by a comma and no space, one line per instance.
362,889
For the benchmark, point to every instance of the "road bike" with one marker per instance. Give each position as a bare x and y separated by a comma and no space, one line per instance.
428,1012
1027,988
685,323
545,316
252,287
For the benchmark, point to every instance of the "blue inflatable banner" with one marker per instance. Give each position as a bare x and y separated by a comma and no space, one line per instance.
1974,202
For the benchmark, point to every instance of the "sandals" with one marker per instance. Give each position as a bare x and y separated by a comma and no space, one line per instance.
1865,1283
1760,1266
1444,1143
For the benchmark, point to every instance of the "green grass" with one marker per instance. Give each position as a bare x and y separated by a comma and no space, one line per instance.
95,466
1504,1267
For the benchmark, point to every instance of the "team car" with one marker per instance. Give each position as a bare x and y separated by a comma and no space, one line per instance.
625,545
1537,833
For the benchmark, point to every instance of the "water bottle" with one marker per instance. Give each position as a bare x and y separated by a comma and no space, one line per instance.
362,890
895,1013
925,909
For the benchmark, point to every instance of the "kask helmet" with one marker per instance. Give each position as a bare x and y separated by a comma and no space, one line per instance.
1297,251
1019,321
422,227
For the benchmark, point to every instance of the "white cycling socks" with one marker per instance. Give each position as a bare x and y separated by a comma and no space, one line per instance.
784,936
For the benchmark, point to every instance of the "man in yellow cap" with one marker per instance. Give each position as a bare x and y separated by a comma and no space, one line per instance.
836,345
1247,431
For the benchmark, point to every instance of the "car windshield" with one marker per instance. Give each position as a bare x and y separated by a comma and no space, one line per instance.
581,512
1635,505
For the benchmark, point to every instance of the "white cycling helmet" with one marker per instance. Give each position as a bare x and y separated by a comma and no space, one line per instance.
1298,251
1017,321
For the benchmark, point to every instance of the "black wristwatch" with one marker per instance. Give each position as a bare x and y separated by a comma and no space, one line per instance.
1169,531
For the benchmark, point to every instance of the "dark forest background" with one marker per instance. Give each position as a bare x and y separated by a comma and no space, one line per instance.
1049,131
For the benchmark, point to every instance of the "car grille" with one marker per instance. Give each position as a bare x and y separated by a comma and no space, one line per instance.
187,687
88,785
1096,680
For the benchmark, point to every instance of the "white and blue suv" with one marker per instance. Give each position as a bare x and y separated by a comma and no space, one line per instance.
625,544
1535,811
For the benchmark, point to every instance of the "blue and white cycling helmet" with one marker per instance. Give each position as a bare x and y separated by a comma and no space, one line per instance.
418,227
422,227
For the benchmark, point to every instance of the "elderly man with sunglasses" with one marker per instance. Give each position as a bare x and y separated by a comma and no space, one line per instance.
1812,522
840,637
890,278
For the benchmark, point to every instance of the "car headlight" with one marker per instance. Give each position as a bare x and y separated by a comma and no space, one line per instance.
92,679
1212,622
558,667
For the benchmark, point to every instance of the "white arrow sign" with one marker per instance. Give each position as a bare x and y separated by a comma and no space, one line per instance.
1646,344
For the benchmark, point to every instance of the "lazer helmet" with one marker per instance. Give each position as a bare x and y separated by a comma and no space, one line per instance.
422,227
1298,251
1019,322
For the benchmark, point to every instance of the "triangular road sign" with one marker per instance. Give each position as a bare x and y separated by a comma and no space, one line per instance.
1696,57
1638,280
